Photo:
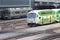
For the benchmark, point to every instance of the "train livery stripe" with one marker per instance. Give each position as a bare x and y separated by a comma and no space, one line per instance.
46,13
46,16
46,19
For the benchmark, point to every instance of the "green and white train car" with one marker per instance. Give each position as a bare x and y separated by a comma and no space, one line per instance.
43,16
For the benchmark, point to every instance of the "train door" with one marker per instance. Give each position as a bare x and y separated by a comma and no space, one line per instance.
58,15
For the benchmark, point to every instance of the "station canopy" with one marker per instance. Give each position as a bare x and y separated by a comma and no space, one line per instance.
56,1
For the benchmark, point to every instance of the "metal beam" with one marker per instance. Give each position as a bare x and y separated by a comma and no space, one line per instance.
56,1
13,6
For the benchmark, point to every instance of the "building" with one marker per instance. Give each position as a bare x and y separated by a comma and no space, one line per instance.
26,3
16,3
22,4
51,3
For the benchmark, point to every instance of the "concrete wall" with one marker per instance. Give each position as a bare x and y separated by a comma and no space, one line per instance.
8,3
14,2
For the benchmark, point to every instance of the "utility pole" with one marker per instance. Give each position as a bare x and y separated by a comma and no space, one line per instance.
30,3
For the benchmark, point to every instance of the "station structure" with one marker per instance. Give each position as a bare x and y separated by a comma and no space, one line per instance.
27,3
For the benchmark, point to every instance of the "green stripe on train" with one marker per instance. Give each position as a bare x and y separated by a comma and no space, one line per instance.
58,12
46,13
46,20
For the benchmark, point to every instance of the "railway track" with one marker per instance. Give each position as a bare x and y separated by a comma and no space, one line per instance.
9,24
49,37
2,21
17,23
34,31
52,37
23,27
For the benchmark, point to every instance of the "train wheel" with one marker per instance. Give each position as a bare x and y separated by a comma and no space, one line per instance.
57,21
32,25
8,18
29,25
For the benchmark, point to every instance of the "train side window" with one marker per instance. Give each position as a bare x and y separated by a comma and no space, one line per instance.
13,13
17,12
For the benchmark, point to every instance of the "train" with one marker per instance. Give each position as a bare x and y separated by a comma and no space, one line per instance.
13,13
44,16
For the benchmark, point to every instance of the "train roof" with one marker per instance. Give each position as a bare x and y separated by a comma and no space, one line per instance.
34,11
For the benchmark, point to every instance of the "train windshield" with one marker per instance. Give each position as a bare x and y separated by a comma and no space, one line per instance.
31,15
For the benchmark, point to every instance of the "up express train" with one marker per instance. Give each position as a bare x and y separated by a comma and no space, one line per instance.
44,16
12,13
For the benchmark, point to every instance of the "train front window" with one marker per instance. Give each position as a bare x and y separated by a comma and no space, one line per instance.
31,15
